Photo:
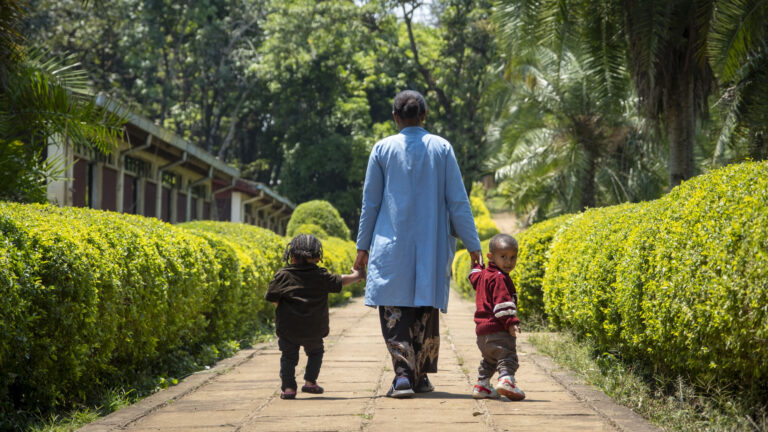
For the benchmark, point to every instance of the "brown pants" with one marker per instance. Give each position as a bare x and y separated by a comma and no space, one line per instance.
499,353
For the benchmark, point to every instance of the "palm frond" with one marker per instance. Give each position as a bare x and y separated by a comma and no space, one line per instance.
739,26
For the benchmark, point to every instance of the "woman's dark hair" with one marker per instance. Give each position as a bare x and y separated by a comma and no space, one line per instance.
302,248
409,104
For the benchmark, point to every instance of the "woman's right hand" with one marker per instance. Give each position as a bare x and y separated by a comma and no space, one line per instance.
361,262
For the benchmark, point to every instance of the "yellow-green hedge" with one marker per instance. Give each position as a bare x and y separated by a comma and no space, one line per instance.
91,299
680,283
532,256
88,295
461,267
486,227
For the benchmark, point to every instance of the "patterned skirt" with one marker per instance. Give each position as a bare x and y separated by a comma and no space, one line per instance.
412,335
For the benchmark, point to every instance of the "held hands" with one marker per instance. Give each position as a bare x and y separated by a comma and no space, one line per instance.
514,329
477,258
356,274
361,262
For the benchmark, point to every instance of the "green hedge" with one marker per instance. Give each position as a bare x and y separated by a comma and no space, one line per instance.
461,267
88,295
679,284
321,213
91,299
534,245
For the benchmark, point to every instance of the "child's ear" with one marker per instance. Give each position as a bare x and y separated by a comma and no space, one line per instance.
489,256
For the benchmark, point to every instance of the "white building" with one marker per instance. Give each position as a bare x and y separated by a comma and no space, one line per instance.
156,173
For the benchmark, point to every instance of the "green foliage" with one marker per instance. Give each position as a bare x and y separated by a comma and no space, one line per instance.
532,256
90,298
567,145
486,227
310,228
338,257
43,101
678,284
320,213
461,267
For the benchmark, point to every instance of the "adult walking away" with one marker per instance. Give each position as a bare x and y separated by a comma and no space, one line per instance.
413,194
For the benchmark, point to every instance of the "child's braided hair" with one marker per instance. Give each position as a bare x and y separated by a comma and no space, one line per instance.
302,248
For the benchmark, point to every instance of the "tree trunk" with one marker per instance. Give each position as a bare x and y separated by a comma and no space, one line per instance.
681,131
588,182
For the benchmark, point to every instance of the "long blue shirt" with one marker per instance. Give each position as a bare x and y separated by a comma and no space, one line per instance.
413,190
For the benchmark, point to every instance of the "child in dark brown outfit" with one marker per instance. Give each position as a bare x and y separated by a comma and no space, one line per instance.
300,291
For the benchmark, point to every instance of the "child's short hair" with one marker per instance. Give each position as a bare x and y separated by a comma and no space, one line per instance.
302,248
502,241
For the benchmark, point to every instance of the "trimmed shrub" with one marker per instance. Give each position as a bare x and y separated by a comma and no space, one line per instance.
310,228
90,296
321,213
91,299
486,227
532,257
679,284
461,267
338,257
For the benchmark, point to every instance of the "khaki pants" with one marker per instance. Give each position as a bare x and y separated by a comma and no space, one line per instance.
499,354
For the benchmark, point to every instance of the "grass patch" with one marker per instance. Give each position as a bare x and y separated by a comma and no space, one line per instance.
671,403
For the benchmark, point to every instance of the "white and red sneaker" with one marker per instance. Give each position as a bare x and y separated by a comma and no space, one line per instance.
507,387
483,390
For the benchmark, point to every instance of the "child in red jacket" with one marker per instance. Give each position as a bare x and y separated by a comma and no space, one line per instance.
496,320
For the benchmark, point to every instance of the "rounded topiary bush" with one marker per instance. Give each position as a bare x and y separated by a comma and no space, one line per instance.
320,213
310,228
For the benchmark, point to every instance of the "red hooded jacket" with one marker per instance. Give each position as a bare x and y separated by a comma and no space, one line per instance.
495,299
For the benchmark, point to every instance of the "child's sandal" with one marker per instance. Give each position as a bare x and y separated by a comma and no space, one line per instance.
314,388
287,395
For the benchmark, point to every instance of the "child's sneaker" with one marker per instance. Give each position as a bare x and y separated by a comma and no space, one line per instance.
507,387
483,390
401,388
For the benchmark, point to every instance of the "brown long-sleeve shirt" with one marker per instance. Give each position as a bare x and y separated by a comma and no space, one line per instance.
301,291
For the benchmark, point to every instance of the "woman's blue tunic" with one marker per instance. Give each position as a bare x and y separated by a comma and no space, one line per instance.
413,191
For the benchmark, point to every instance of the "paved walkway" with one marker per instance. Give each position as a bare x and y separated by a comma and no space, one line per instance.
242,393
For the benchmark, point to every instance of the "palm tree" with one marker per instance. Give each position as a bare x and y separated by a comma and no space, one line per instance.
563,144
42,100
738,40
670,48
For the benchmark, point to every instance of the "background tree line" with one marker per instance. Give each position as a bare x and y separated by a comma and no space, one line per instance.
569,104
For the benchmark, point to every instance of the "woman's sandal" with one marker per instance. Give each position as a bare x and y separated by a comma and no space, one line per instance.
314,388
286,395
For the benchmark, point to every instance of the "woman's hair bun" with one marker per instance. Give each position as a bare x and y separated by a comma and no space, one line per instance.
409,104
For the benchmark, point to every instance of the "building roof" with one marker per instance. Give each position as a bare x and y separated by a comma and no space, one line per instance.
165,135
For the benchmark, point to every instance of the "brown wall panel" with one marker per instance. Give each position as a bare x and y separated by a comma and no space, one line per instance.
150,190
108,189
166,213
79,183
181,207
129,194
